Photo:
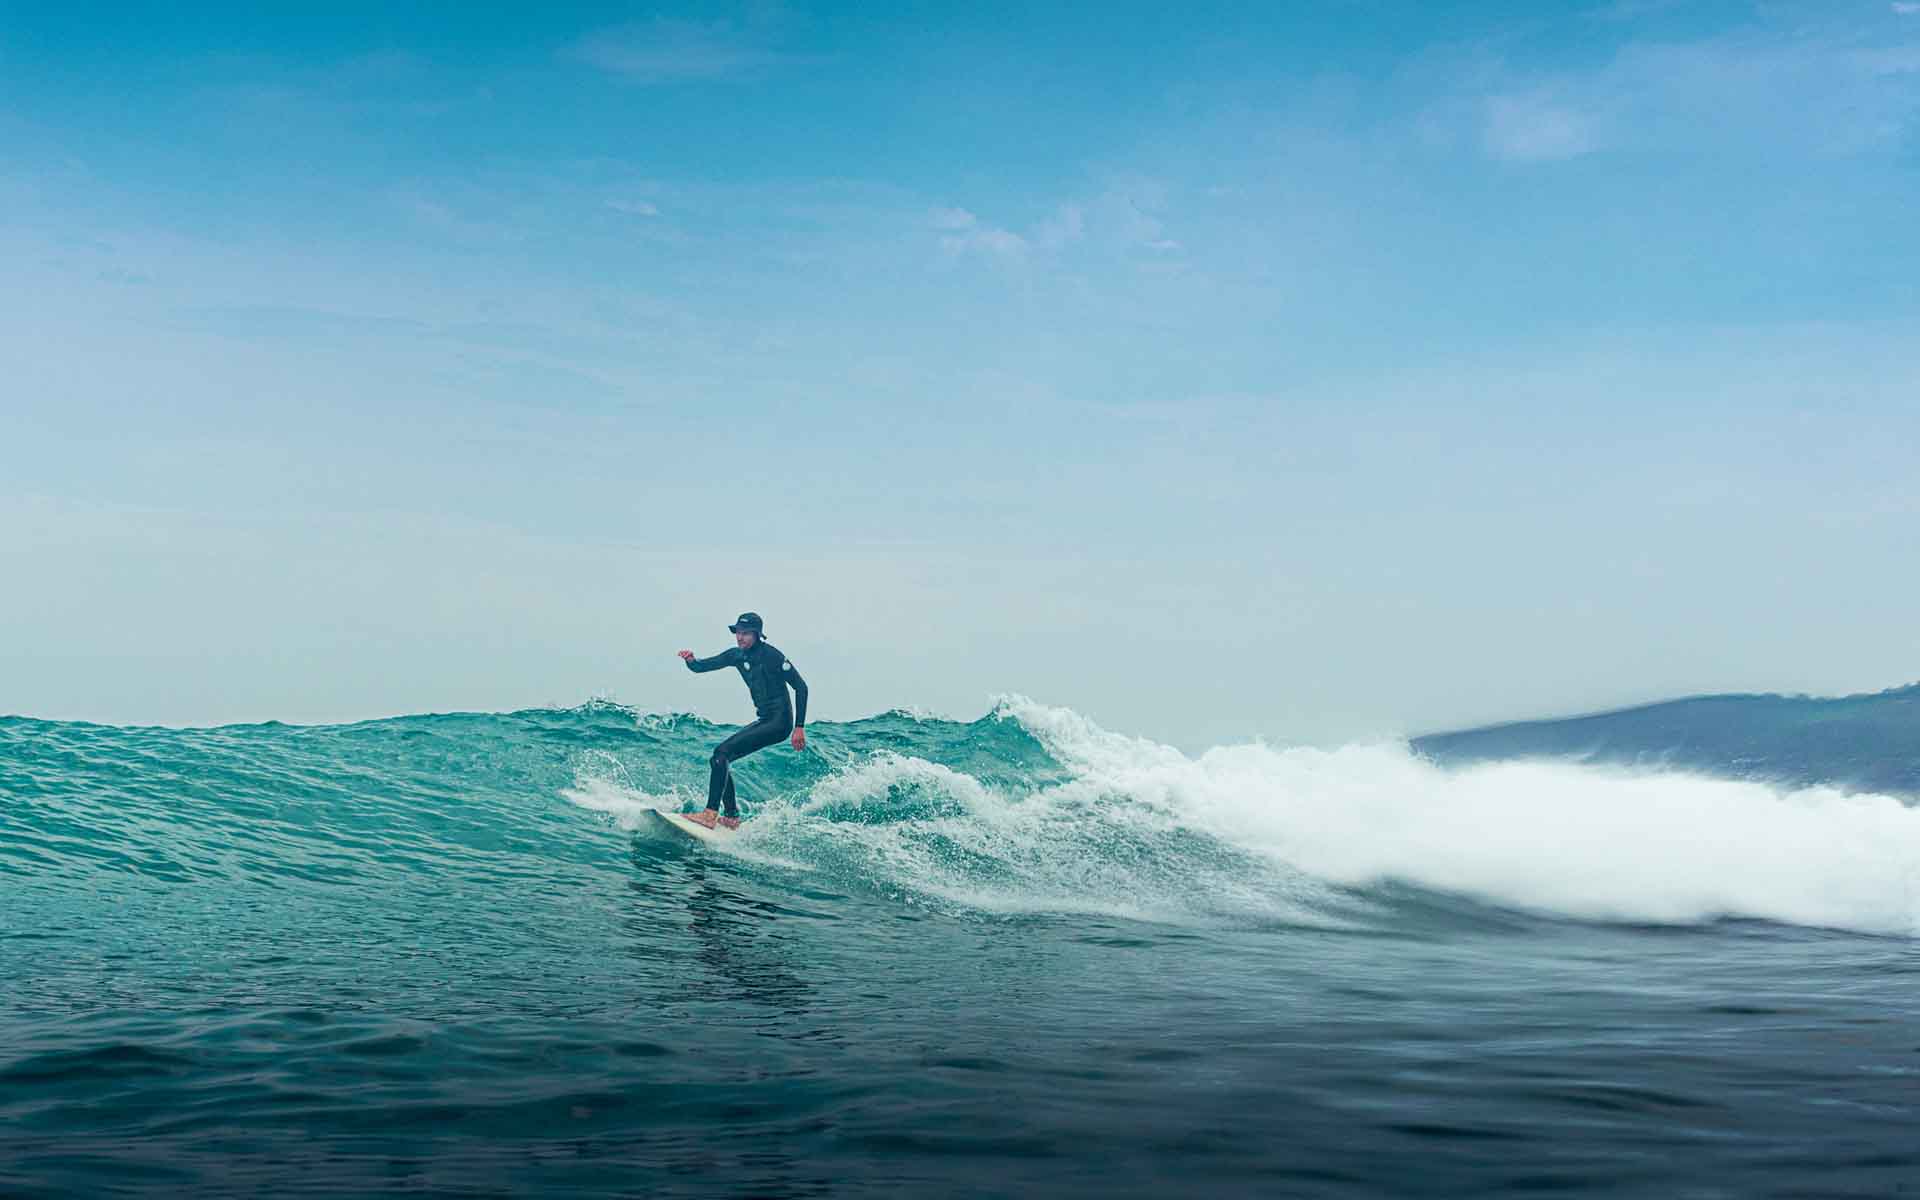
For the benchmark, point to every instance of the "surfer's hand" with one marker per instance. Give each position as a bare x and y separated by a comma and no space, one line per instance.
687,654
799,739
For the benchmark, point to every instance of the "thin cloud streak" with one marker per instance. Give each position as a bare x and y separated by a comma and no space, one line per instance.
1821,85
1533,129
664,51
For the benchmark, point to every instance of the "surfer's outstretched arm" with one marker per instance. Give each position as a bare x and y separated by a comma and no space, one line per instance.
726,658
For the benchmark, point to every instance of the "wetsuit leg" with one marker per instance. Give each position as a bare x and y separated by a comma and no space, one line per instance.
757,736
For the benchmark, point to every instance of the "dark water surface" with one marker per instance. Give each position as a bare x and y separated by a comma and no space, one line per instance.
447,955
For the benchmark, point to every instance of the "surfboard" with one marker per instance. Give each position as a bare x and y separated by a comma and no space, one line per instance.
679,823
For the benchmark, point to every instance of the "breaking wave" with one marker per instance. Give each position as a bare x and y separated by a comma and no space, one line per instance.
1030,809
1105,822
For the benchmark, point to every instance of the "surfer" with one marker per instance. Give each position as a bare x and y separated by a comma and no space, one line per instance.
768,675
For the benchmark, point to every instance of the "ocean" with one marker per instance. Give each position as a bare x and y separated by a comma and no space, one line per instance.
1018,955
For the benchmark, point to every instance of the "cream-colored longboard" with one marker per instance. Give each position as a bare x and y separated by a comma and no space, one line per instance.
680,823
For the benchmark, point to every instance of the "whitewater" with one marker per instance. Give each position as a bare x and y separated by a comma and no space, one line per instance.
447,953
1129,827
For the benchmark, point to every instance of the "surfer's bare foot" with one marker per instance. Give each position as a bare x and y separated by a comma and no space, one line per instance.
707,818
729,822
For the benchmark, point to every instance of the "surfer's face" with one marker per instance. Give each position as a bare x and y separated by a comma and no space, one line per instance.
745,639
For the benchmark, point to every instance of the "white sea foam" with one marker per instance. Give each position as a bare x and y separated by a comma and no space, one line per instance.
601,784
1140,829
627,806
1554,837
919,829
880,776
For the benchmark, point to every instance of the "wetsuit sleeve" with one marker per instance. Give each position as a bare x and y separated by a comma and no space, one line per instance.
720,661
799,686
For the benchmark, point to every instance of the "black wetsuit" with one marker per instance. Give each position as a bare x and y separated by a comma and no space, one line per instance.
768,675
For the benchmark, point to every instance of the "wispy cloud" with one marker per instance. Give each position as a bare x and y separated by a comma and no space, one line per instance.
964,233
634,208
443,218
1118,220
1531,128
1832,88
985,240
1067,225
1633,10
667,51
1127,215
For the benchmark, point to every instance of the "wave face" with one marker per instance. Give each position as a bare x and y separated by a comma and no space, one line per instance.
1030,809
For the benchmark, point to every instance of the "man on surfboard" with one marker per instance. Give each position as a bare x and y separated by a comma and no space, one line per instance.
768,675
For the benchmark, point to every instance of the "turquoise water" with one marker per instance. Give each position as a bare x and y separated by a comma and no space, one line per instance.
448,954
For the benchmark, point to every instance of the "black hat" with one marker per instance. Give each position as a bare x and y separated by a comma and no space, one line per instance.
747,621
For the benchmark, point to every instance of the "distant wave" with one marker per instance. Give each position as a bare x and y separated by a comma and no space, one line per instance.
1868,742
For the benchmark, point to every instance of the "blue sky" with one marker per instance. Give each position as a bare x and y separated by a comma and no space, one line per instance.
1304,371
